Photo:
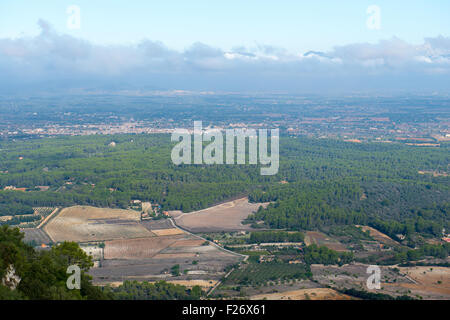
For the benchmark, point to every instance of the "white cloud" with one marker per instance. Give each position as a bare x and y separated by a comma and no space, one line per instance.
69,61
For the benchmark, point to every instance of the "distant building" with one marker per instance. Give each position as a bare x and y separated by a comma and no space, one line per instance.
266,258
401,236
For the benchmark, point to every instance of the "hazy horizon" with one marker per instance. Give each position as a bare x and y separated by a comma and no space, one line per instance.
289,47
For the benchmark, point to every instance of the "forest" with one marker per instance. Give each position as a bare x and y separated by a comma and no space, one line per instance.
161,290
321,182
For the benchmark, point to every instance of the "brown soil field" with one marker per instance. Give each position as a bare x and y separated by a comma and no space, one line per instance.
37,235
320,239
167,232
204,284
174,255
379,236
304,294
138,248
227,216
157,224
84,224
188,243
192,249
426,279
210,265
393,283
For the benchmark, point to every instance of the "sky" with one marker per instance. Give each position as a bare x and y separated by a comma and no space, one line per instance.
226,45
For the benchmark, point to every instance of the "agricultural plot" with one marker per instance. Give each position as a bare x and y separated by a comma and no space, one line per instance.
304,294
167,232
379,236
424,282
260,273
32,220
204,284
347,276
28,220
320,239
43,211
227,216
135,249
157,224
36,236
138,248
174,255
194,264
84,224
188,243
427,282
132,251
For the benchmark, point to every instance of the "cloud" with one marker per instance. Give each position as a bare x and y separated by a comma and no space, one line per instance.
63,61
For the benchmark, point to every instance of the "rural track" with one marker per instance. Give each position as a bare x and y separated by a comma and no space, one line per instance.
245,257
48,218
219,283
211,242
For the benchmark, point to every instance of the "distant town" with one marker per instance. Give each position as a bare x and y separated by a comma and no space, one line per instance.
422,121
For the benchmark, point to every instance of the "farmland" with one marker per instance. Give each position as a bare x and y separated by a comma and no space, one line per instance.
204,284
30,220
84,224
167,232
134,249
304,294
314,227
429,282
257,274
194,263
36,236
418,282
138,248
318,238
150,250
379,236
125,248
227,216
